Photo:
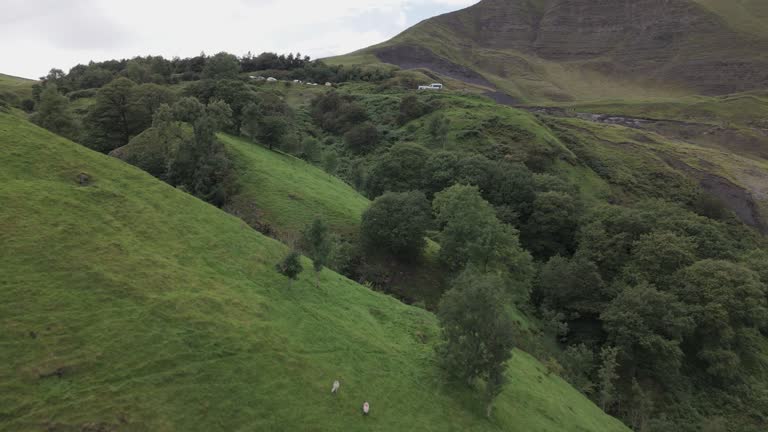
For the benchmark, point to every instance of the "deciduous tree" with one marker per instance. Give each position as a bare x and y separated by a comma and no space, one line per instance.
477,331
396,223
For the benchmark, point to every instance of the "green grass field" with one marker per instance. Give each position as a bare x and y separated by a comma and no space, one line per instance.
289,193
128,305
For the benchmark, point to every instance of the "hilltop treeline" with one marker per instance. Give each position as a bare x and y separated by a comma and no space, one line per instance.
159,70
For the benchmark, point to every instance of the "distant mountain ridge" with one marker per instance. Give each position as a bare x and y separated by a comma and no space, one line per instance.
564,49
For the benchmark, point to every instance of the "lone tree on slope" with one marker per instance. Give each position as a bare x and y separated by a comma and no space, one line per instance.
290,266
477,332
316,242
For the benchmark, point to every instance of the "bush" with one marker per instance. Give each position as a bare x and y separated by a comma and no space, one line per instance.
28,105
397,223
411,108
362,138
400,169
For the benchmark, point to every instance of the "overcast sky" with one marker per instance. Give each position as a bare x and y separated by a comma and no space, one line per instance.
37,35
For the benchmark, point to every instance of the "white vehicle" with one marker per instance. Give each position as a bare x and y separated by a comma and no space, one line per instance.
433,86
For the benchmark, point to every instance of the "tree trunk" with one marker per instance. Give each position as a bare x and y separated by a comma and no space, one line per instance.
489,409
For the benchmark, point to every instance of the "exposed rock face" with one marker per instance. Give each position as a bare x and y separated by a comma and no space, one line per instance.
675,41
415,57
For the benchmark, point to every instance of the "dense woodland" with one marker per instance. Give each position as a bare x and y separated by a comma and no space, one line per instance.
655,306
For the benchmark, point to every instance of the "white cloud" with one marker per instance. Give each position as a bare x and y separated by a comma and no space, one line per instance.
38,35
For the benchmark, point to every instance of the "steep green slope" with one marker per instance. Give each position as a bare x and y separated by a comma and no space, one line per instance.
286,193
128,305
14,89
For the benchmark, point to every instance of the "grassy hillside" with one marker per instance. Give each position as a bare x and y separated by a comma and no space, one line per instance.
14,89
128,305
287,193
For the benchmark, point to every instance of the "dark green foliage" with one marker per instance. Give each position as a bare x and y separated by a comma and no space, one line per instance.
146,100
316,241
330,161
188,109
28,105
140,72
438,128
396,223
658,255
220,113
551,228
54,114
648,327
266,119
471,234
362,138
113,119
336,113
200,165
551,183
234,93
640,407
268,60
222,66
607,376
572,285
311,150
400,169
152,149
727,301
612,231
477,331
757,261
441,171
501,183
578,363
290,266
411,108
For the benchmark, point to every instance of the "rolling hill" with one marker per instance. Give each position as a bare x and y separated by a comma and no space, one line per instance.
561,50
14,89
128,305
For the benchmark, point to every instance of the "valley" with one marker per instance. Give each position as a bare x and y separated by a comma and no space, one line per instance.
566,233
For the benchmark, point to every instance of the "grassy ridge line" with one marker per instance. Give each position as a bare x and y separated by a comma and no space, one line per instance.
16,87
130,305
290,192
